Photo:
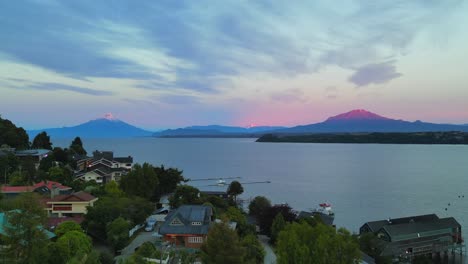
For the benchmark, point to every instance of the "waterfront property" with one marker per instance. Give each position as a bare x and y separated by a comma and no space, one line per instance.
49,188
417,235
188,225
69,205
103,167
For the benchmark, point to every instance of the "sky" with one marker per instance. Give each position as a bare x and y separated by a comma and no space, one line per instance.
163,64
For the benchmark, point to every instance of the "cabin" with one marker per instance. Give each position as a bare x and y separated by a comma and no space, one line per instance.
417,235
188,225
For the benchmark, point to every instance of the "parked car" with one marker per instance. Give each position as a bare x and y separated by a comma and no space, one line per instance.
150,224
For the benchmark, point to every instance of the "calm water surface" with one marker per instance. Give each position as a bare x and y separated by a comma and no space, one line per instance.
363,182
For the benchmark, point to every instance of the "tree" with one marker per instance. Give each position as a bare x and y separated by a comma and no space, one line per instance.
185,194
25,233
42,141
265,220
15,137
277,226
60,155
17,179
259,205
222,246
72,244
254,250
117,233
302,243
76,147
107,209
8,164
168,180
140,181
234,189
67,226
112,189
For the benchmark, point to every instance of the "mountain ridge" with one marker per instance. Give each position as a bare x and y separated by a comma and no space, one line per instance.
96,128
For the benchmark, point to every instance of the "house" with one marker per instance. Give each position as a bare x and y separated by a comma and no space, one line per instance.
69,205
4,224
416,235
103,167
218,191
49,188
35,155
188,225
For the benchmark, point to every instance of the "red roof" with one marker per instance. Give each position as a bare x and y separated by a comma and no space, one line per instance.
48,184
74,197
51,185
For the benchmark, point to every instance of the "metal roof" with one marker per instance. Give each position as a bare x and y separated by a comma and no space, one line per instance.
187,214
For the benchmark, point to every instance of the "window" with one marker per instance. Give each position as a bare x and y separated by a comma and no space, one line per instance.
195,240
176,221
196,223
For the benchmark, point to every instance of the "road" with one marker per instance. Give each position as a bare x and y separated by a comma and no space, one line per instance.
138,241
270,257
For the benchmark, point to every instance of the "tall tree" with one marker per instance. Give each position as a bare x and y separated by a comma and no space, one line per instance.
66,227
259,205
42,141
76,147
254,250
117,233
277,226
265,220
222,246
73,243
302,243
24,232
235,189
141,181
185,194
12,136
168,180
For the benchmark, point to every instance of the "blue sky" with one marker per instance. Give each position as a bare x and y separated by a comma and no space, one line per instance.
173,63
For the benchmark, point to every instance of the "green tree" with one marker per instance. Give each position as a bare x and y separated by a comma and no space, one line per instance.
140,181
254,250
8,164
107,209
168,180
76,147
18,179
60,155
67,226
112,189
222,246
302,243
28,168
42,141
73,244
15,137
265,220
259,205
185,194
277,226
25,233
235,189
117,233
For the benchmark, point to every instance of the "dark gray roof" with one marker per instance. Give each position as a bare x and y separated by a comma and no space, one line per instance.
128,159
416,228
377,225
188,214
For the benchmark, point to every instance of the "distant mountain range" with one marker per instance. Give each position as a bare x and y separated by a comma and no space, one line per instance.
98,128
216,131
351,122
365,121
354,121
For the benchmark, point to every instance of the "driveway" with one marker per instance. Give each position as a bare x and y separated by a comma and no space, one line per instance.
270,257
141,238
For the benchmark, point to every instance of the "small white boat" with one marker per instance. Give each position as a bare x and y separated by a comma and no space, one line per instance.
221,182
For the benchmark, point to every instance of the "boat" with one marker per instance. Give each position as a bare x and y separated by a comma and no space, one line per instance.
221,182
323,211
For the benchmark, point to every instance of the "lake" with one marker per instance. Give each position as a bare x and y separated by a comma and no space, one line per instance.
363,182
